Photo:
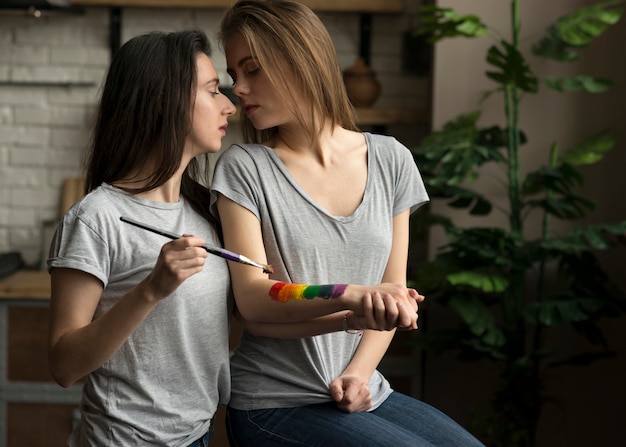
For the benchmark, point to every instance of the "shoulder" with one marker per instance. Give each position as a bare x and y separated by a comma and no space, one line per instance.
236,152
388,150
385,143
101,198
99,209
243,160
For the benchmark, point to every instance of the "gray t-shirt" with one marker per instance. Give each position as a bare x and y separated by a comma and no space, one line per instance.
305,244
164,384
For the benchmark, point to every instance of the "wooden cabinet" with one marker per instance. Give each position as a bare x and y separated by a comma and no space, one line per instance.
34,410
320,5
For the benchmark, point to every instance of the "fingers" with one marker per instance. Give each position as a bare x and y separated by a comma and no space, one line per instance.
186,252
388,311
336,390
407,318
378,312
351,394
177,261
416,295
401,316
383,306
385,311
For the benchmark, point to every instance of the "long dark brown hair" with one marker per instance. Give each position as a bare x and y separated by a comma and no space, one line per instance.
144,115
291,44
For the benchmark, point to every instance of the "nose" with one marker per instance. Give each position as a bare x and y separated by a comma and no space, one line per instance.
229,107
240,88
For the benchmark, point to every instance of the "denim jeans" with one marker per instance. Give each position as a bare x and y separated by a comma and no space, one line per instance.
204,440
400,421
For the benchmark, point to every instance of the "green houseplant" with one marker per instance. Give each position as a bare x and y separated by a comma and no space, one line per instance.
510,290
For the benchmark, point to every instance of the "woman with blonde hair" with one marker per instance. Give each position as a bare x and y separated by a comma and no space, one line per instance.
324,204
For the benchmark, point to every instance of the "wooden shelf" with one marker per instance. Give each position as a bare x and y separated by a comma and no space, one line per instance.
378,117
367,117
381,6
46,84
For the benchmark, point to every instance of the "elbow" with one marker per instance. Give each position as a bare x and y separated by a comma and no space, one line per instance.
248,315
253,329
249,312
64,383
64,380
60,374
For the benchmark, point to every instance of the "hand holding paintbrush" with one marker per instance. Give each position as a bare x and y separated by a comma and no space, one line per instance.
217,251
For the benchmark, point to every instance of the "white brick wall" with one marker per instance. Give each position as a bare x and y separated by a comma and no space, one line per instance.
44,129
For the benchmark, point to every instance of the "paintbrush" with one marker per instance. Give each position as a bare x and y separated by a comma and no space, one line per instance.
217,251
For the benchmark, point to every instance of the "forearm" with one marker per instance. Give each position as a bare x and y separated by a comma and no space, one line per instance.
309,328
79,352
374,344
265,301
371,350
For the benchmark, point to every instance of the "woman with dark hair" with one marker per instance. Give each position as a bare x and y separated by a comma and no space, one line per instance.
323,203
146,322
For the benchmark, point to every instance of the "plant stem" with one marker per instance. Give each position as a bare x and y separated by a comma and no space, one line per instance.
517,333
545,227
512,100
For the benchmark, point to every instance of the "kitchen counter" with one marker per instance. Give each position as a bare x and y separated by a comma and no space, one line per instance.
26,285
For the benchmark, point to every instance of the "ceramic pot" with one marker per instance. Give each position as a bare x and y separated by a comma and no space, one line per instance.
361,84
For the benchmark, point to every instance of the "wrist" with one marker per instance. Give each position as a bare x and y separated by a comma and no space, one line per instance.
352,297
146,292
345,325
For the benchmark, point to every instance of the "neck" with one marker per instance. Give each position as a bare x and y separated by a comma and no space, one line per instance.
296,140
167,192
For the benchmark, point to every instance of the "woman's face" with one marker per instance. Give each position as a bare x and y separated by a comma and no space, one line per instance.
210,110
258,98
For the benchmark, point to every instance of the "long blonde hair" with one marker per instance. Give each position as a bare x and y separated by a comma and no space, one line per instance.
292,45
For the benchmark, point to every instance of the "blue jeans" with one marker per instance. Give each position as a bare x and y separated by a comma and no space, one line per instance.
204,440
400,421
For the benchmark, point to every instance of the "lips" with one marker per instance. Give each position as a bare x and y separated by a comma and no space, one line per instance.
250,109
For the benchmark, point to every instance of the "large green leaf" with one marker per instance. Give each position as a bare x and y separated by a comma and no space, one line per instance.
577,83
513,71
453,155
549,313
480,206
559,179
582,27
497,137
476,248
478,280
463,198
591,150
442,23
551,46
577,30
479,319
583,238
569,206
